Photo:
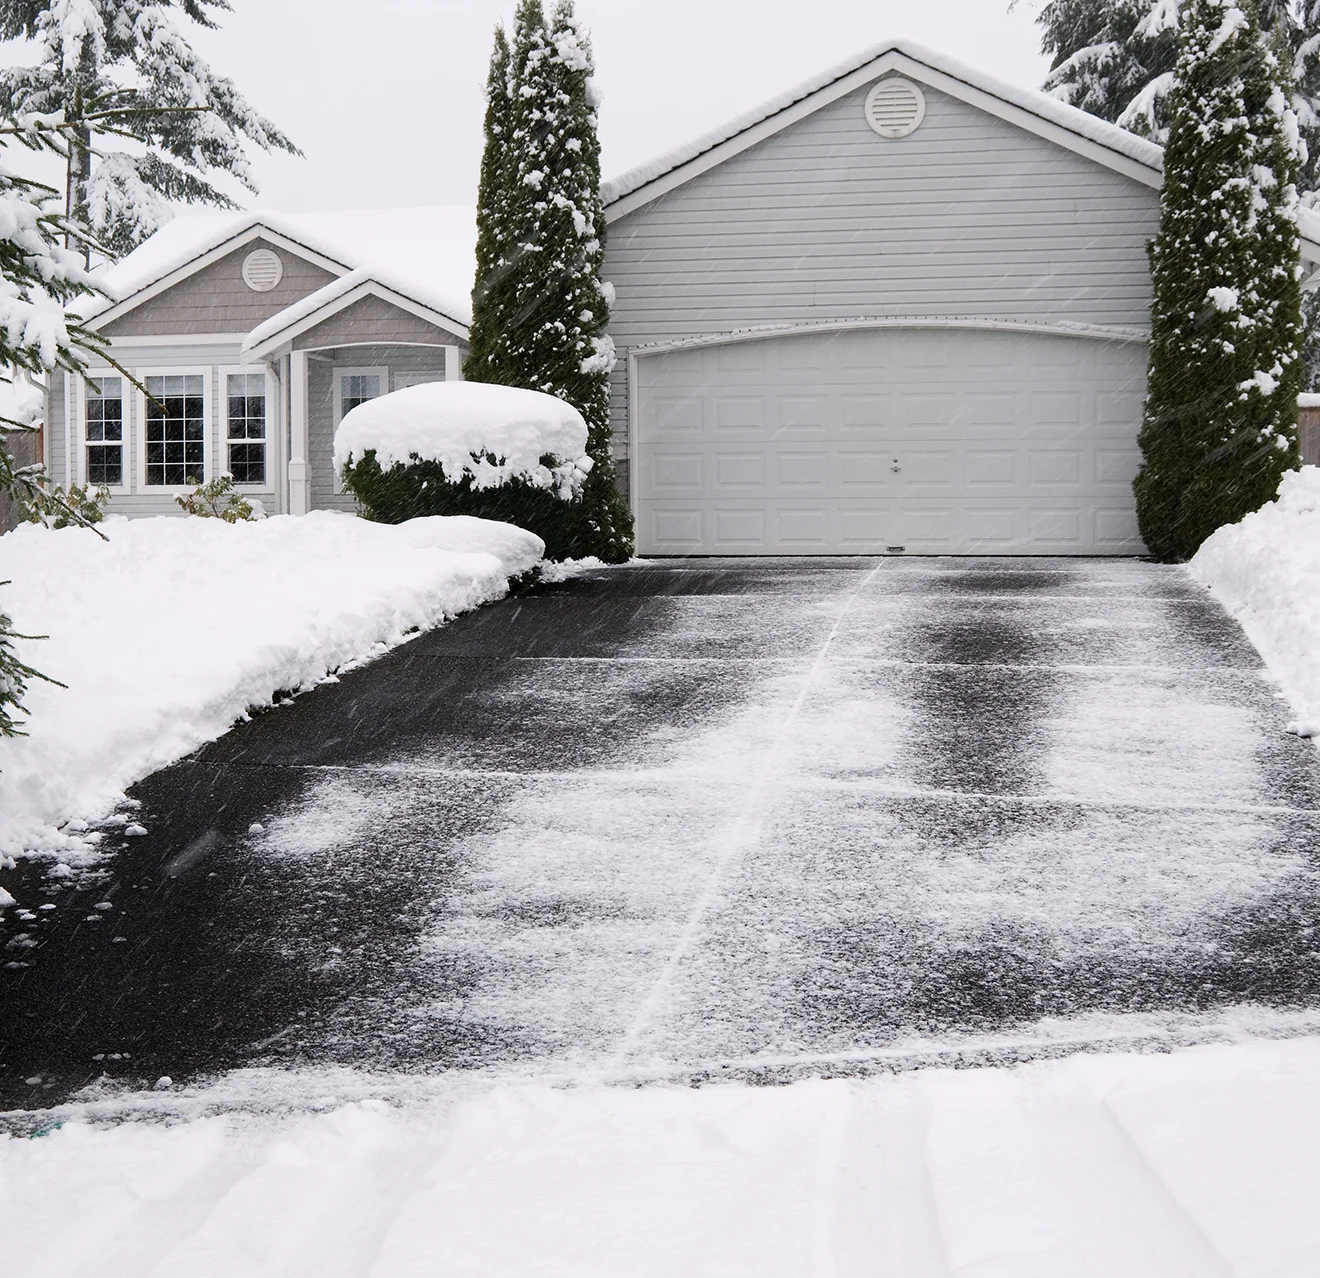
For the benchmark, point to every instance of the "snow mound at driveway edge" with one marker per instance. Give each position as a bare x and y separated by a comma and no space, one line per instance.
172,629
1265,570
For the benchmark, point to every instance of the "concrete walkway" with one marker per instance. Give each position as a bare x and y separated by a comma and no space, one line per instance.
710,817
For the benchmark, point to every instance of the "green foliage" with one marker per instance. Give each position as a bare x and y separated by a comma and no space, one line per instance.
39,278
218,499
1219,428
540,308
74,507
112,69
14,677
422,488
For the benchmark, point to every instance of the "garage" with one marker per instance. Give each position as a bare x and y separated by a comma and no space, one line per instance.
890,438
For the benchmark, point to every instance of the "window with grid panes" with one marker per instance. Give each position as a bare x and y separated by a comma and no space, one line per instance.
175,434
246,398
104,431
355,389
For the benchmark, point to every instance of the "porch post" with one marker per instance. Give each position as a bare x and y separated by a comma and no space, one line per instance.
300,486
453,364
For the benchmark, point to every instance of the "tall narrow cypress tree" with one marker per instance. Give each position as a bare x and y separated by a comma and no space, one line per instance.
540,309
1220,418
482,363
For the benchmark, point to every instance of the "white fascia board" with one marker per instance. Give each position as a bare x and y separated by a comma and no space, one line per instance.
1042,328
276,343
177,339
893,60
203,260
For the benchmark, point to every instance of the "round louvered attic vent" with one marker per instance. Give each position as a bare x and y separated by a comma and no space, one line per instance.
262,270
895,107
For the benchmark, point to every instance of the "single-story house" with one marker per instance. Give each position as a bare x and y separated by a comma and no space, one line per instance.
254,333
903,308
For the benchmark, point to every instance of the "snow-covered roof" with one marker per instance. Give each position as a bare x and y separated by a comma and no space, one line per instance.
1085,125
915,58
427,254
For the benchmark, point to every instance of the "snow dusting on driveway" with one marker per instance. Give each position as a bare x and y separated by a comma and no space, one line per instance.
714,818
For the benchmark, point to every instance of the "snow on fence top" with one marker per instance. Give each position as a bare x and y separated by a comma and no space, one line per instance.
462,425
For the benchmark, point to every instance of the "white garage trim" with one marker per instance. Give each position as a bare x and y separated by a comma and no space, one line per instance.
1103,332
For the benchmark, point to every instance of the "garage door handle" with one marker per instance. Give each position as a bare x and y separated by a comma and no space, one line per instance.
895,467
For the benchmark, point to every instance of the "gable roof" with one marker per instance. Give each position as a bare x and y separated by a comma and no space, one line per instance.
425,255
1067,126
270,335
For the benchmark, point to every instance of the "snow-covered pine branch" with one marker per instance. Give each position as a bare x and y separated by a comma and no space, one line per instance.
122,69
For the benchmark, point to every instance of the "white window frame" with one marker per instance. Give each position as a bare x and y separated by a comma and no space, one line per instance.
338,373
222,428
127,391
207,373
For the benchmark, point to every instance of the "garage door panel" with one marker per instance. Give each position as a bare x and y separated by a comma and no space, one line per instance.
803,470
803,413
992,468
739,413
677,474
1011,442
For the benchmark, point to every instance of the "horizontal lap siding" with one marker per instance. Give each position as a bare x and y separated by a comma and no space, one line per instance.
400,360
216,300
373,319
969,216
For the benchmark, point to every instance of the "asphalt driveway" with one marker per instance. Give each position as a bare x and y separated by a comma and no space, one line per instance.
694,817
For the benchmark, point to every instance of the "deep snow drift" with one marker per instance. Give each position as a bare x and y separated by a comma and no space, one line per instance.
462,425
1127,1166
172,629
1266,571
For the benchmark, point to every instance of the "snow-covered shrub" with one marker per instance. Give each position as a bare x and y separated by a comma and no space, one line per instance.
77,506
468,448
218,499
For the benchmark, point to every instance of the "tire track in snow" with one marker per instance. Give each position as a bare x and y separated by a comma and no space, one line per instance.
741,834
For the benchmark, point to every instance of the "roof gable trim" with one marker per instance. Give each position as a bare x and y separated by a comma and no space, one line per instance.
230,244
891,60
269,337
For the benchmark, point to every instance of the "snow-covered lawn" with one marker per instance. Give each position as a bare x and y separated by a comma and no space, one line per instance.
1125,1166
172,629
1266,571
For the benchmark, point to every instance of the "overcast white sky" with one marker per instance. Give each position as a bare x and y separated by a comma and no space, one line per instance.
384,96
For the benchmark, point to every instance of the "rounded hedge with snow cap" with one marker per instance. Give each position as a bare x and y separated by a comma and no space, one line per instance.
488,435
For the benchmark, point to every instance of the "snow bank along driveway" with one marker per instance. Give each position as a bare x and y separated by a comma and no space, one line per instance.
749,818
170,629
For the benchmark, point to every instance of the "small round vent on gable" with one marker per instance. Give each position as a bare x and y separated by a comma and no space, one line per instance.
895,107
262,270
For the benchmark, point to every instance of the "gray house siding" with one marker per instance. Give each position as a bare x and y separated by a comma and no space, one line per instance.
373,319
216,300
969,216
404,363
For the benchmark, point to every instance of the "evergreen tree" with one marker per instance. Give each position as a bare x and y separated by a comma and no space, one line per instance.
121,69
1225,362
483,362
1115,59
541,310
39,279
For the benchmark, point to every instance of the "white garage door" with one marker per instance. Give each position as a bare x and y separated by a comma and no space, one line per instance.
865,441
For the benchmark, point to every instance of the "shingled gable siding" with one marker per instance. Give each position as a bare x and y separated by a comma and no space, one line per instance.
968,216
216,300
373,319
403,363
